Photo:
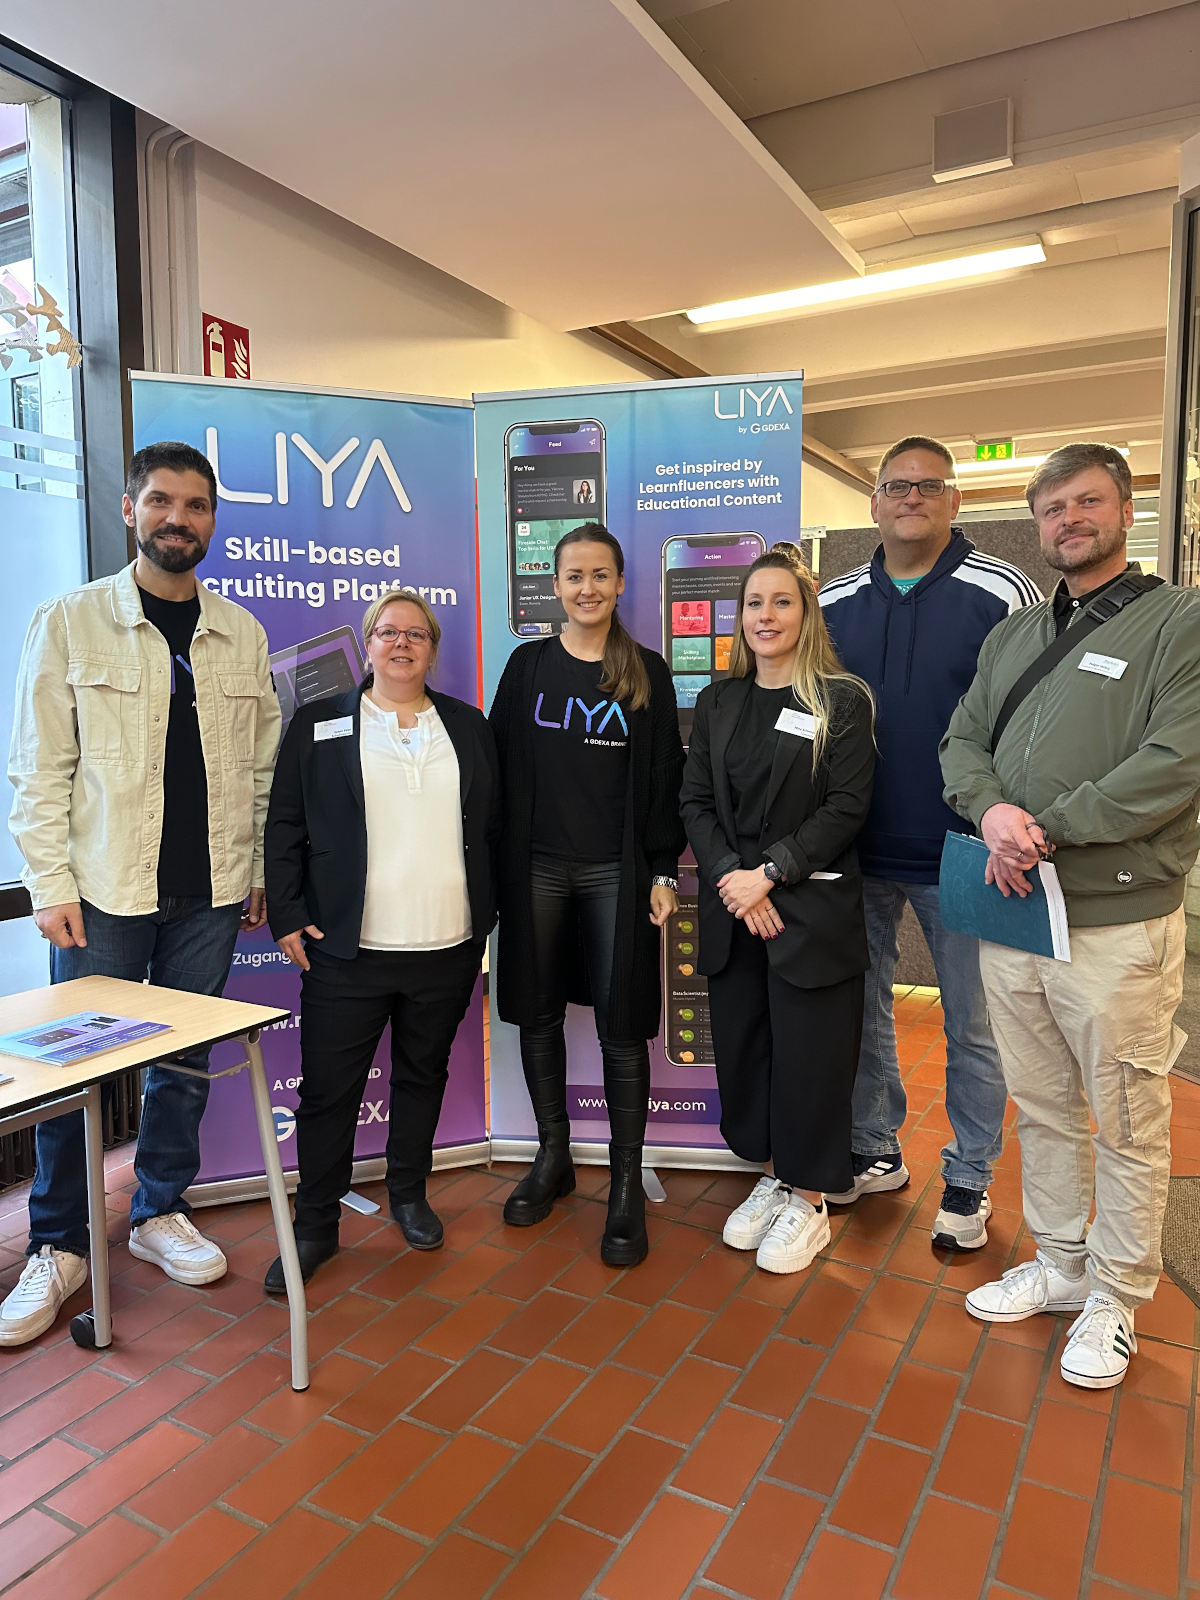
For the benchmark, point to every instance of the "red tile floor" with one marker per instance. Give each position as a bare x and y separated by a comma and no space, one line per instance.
508,1418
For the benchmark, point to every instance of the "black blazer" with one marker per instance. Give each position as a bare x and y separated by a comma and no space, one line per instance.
650,847
316,836
810,823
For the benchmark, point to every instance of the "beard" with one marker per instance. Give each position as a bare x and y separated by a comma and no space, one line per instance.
1106,544
171,558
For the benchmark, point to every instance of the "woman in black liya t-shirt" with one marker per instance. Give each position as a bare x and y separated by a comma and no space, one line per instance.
588,738
778,785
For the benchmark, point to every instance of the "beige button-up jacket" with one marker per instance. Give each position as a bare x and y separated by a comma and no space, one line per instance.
89,742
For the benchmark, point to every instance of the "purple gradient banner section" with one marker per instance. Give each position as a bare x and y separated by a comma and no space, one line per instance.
698,478
326,501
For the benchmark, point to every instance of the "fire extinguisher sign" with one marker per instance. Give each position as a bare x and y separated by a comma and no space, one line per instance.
226,348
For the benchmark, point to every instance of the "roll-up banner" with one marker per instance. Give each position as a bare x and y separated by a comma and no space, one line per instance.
327,498
696,479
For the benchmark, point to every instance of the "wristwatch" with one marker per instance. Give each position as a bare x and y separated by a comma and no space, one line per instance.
772,871
663,882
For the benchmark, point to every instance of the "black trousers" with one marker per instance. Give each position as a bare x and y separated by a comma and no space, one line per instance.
786,1059
344,1008
563,891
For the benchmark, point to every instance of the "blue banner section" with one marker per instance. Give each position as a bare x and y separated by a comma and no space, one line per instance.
696,479
325,501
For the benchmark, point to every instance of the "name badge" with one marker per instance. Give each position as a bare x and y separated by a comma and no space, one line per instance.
800,723
335,728
1105,666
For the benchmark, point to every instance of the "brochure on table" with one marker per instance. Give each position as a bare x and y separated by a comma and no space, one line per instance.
74,1038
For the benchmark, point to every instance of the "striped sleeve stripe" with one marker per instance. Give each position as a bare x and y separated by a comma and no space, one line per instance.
995,583
840,588
1028,590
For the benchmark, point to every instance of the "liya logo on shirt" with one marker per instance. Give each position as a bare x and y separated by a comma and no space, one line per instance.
591,720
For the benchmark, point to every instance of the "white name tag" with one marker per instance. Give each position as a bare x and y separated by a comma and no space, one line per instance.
1106,666
800,723
335,728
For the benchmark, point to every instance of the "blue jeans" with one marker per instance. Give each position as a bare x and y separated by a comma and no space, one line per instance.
185,944
975,1094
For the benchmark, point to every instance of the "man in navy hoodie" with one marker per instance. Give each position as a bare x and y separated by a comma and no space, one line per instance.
910,623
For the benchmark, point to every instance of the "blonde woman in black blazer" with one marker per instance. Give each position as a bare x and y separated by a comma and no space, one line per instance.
380,869
777,786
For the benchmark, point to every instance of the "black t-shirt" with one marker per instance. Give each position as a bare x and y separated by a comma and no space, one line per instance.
183,863
580,760
1064,608
748,762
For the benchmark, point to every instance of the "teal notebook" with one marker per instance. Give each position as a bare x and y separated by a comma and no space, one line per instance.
1037,922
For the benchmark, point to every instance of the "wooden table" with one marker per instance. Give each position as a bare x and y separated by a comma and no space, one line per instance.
38,1092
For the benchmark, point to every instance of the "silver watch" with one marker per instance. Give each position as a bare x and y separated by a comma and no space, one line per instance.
664,882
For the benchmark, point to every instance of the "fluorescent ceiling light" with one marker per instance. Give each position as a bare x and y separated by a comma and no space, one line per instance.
965,469
980,265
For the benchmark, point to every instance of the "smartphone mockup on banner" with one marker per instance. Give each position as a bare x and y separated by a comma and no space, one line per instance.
688,1033
701,576
554,479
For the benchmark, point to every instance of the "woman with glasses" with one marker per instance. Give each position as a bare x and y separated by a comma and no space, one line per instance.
777,786
588,737
380,837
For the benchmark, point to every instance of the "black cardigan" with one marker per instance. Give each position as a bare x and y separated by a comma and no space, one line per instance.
652,841
810,822
316,837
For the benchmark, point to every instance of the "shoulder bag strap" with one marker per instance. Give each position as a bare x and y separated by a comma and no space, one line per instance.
1101,610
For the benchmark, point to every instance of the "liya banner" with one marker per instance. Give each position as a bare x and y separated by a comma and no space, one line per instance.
325,500
696,479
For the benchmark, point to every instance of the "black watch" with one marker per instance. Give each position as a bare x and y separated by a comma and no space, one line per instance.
773,872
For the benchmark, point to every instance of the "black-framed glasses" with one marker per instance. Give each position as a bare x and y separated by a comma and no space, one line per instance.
900,488
389,635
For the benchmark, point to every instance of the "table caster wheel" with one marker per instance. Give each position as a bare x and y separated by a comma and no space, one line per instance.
83,1330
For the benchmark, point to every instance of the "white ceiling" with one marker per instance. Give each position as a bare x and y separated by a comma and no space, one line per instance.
560,155
764,55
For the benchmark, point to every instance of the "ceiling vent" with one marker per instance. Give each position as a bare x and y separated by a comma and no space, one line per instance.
970,142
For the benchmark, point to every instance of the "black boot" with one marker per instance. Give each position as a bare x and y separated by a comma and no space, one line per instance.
419,1223
624,1243
550,1178
312,1253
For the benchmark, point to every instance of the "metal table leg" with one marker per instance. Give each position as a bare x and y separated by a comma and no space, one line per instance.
297,1309
93,1134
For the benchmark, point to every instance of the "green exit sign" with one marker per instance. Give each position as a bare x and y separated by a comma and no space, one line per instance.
995,450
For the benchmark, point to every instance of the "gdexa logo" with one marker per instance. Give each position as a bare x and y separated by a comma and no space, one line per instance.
285,1122
376,456
760,405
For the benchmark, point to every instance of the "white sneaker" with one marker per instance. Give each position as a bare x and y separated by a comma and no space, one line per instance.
1023,1291
49,1277
873,1175
798,1232
1099,1344
174,1245
746,1227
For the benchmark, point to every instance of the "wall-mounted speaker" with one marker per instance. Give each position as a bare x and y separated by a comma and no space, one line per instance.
972,141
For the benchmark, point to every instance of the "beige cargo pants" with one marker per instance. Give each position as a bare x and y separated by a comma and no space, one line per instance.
1090,1042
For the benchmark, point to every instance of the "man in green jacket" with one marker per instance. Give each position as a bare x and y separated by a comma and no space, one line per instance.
1100,767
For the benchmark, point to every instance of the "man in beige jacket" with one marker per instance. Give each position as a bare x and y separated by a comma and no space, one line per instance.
142,750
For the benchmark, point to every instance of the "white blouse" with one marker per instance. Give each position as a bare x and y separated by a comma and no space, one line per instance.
416,895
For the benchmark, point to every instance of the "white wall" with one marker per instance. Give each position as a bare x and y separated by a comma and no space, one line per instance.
328,303
828,499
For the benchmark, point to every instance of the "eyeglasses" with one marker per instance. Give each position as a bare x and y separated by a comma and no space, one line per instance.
899,488
413,635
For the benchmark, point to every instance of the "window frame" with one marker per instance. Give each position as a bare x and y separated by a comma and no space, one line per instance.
102,157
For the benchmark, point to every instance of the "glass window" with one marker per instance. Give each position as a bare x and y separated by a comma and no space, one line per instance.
42,529
1189,498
